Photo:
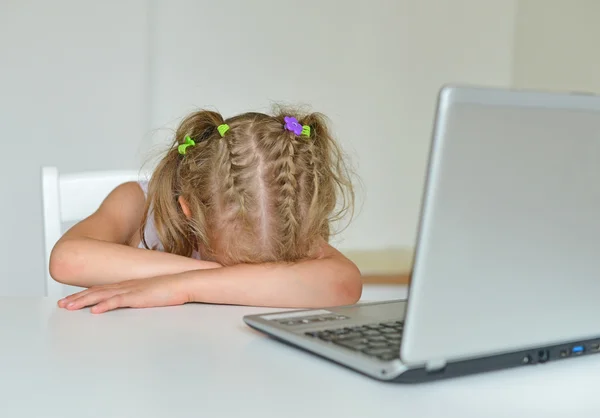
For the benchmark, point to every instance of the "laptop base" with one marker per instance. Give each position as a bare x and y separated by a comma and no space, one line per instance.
532,357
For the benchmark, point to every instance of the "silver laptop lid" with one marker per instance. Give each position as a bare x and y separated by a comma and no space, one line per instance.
508,255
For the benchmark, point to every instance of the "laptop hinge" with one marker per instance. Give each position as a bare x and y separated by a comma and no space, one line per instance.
435,366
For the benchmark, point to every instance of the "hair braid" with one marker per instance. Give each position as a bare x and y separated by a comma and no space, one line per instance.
313,162
319,196
230,165
287,199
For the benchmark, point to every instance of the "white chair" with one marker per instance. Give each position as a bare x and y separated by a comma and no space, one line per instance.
68,198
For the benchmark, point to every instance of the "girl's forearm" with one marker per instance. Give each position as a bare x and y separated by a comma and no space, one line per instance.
88,262
307,284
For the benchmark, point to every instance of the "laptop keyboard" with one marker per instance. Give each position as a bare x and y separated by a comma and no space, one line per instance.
380,340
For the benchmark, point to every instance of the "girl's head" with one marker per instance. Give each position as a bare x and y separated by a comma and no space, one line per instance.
253,188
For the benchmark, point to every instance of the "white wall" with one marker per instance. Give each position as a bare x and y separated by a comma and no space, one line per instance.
72,94
556,45
82,84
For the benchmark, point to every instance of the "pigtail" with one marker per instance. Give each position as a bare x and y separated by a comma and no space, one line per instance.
331,192
174,177
199,126
162,205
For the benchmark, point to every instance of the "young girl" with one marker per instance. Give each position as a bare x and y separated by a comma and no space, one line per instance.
237,212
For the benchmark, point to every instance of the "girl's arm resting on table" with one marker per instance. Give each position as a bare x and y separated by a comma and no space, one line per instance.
98,249
331,280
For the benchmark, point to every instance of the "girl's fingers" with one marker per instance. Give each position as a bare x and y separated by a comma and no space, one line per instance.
93,298
117,301
65,301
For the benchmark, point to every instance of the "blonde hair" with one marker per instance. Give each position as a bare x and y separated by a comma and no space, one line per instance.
258,193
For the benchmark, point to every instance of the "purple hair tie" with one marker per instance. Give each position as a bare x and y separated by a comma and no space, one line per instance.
292,125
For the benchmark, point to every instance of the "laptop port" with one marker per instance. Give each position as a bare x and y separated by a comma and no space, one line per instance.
577,350
543,356
594,347
564,353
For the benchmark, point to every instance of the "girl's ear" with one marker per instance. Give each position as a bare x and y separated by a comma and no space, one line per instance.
184,207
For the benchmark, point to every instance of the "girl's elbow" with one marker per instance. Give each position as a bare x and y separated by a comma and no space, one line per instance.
348,288
64,263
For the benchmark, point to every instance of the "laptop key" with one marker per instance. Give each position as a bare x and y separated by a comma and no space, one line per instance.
357,344
372,333
378,344
378,338
356,341
347,336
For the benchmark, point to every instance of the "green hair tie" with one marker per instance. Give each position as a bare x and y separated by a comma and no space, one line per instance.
223,129
305,131
189,142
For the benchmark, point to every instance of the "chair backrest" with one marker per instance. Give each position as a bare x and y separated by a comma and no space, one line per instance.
68,198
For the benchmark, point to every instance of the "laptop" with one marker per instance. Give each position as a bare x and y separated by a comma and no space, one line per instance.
506,271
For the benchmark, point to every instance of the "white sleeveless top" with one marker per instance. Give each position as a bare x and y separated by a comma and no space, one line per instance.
150,230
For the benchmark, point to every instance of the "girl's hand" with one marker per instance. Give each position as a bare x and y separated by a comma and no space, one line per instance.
141,293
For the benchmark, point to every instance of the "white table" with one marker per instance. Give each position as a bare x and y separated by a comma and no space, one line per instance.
202,361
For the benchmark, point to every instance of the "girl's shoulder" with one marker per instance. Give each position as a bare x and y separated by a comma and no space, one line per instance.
150,233
144,186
